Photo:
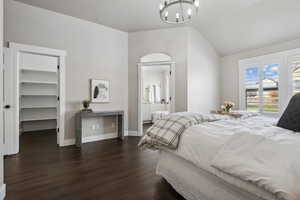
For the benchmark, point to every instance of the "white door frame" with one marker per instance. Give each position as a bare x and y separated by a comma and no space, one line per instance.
16,49
172,91
9,99
1,88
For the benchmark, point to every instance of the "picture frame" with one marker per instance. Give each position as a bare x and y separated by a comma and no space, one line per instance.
100,91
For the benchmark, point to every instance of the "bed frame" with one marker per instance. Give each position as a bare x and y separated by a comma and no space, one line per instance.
194,183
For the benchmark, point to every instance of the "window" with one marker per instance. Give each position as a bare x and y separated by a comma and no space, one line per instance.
261,88
252,88
296,80
267,83
270,88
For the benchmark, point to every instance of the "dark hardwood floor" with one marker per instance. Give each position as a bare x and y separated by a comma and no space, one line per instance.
108,170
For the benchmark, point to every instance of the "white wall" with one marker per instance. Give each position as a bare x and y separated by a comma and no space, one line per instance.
94,51
230,67
203,74
197,68
2,186
171,41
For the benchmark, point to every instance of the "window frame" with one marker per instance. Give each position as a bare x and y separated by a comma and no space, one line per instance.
287,77
242,85
287,60
295,68
260,63
294,63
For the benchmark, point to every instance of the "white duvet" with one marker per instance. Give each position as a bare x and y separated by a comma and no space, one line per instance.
266,158
200,144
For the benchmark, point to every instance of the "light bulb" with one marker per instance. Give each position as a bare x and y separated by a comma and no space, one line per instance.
161,6
197,3
189,12
177,17
166,14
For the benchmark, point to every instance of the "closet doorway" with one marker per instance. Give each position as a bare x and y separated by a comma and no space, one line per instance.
156,89
34,94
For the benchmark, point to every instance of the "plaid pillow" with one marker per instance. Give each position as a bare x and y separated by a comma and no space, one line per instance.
166,132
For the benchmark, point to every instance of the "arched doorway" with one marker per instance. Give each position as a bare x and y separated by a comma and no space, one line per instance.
156,91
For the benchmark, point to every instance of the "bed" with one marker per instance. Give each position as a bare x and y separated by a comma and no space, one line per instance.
188,166
212,157
194,183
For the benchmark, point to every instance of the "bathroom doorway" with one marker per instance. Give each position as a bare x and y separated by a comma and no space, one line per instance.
156,89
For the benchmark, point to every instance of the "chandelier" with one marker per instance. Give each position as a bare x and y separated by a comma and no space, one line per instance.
178,11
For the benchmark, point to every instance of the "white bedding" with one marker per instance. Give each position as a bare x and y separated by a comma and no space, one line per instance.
193,183
266,158
199,145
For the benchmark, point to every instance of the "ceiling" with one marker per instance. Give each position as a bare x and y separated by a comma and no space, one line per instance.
230,25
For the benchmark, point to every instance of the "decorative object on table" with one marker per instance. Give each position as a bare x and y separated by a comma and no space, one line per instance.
100,91
222,112
226,109
227,106
86,105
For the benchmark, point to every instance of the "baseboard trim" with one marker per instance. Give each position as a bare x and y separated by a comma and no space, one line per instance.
3,192
99,137
126,133
133,133
68,142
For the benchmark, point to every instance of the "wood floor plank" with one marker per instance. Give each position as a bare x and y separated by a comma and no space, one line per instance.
108,170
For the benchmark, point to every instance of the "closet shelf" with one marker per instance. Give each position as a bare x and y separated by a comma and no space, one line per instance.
42,69
38,107
47,95
38,82
37,119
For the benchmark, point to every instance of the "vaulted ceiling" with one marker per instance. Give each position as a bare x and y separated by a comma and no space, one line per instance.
230,25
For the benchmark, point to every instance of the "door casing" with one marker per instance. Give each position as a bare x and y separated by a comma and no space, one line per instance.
140,93
11,137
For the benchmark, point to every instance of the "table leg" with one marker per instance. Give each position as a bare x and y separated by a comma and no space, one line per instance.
120,126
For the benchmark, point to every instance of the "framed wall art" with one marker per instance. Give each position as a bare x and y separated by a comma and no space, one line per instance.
100,91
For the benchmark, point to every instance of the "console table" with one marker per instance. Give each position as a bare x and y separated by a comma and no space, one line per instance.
86,114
